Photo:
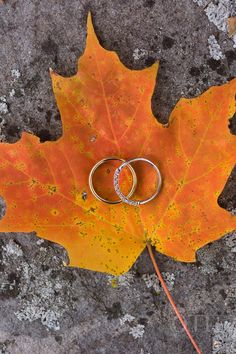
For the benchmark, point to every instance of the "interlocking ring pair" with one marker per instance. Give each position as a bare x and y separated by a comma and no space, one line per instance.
123,198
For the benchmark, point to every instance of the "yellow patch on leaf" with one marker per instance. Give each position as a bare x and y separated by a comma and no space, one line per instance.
106,111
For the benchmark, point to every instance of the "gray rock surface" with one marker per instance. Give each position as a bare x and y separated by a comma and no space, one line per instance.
48,308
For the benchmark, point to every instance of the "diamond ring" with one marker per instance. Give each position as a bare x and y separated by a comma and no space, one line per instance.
95,167
126,199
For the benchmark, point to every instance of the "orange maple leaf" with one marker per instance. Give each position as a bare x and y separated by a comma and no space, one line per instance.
106,111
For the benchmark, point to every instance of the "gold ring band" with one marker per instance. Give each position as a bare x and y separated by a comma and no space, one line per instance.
126,199
95,167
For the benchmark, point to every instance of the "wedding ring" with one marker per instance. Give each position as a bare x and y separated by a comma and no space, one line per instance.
126,199
95,167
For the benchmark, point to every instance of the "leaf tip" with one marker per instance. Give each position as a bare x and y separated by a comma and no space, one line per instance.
91,35
52,72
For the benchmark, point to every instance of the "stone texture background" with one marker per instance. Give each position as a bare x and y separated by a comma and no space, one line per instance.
47,308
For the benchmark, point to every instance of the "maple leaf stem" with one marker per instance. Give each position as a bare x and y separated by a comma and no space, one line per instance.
149,247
